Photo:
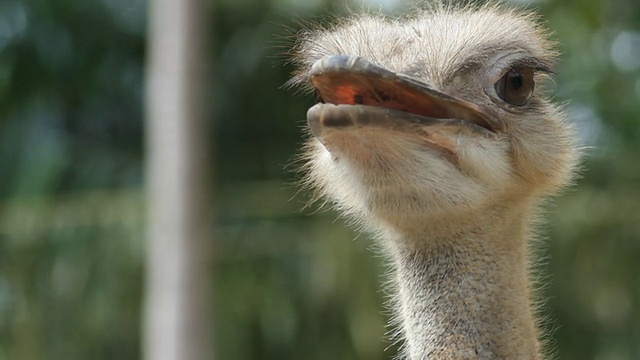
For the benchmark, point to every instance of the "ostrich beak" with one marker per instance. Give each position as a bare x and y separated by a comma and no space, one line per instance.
354,91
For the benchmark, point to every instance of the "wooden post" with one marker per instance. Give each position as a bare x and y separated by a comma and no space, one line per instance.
178,300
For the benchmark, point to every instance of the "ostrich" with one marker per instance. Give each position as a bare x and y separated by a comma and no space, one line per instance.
430,133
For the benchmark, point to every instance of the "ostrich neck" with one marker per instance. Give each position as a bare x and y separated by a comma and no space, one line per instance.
464,294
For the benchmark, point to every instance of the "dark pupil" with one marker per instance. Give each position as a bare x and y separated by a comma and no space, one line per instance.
516,79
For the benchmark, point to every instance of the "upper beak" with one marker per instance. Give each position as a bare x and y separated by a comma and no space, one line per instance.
351,80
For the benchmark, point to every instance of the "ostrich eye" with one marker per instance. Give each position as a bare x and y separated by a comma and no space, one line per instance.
516,86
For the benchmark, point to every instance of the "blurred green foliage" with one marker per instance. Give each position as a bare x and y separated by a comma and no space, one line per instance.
289,284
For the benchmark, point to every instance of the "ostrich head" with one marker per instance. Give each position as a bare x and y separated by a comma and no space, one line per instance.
433,117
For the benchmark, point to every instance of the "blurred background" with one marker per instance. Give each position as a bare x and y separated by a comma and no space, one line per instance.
289,283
